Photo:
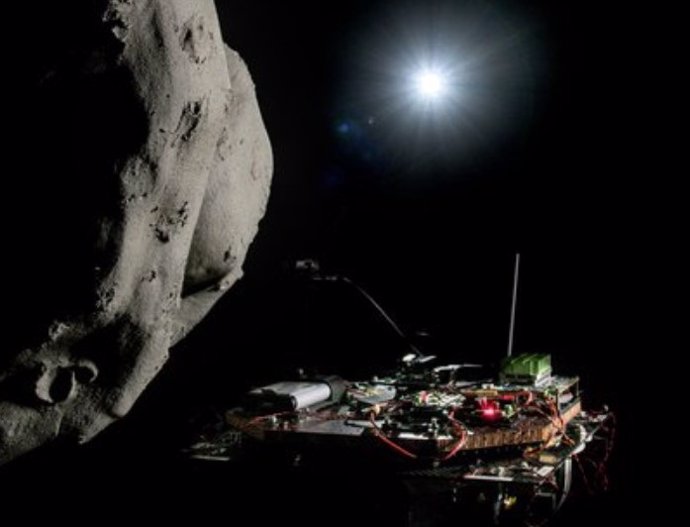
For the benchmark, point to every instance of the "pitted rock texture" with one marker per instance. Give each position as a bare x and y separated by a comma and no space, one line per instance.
146,171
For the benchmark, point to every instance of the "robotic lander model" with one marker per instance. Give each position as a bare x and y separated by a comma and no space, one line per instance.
500,446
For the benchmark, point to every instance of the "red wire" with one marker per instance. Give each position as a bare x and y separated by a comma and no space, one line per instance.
600,465
607,452
585,479
382,436
461,442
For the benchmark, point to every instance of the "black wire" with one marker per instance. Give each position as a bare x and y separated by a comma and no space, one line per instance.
379,309
383,314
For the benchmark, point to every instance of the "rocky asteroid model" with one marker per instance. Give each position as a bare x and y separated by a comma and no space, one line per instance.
142,172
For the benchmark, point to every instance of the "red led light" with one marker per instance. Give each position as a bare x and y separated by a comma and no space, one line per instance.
489,410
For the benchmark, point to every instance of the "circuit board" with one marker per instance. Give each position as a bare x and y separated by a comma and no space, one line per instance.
422,417
502,447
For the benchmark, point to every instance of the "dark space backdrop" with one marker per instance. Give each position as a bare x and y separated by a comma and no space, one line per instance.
427,220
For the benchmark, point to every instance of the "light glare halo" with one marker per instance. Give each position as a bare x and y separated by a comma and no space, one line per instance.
430,84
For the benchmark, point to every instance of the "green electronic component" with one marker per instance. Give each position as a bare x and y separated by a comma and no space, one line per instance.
528,368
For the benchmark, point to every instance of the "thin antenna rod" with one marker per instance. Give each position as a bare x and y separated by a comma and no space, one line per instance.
516,276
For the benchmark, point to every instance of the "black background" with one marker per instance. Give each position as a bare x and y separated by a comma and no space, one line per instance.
429,230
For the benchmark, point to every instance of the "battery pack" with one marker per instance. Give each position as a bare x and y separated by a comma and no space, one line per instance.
291,395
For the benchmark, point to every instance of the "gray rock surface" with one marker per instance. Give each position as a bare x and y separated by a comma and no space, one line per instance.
153,176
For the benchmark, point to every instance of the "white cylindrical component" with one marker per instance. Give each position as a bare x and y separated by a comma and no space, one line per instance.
308,394
302,394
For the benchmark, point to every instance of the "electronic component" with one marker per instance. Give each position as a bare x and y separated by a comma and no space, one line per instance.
530,368
295,395
412,412
290,395
462,438
507,444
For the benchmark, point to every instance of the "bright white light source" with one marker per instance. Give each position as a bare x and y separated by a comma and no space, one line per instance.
430,84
